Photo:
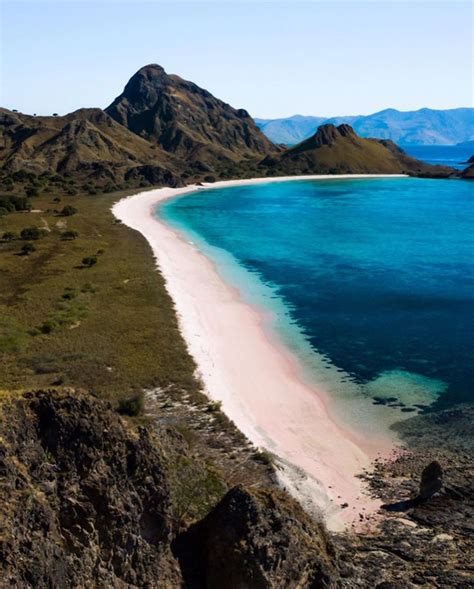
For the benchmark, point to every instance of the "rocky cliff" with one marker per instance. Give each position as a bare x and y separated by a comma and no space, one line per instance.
185,119
88,502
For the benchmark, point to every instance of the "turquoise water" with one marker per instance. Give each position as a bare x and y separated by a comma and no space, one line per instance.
376,275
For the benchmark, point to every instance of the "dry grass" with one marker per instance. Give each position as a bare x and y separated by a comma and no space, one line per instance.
110,328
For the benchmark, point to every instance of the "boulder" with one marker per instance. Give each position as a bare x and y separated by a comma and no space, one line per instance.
431,480
257,539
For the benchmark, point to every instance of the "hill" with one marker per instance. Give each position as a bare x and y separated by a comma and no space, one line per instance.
86,143
421,127
186,120
291,130
339,150
163,130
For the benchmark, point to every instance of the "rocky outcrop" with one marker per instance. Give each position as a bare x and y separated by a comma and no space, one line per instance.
431,480
86,502
257,539
89,501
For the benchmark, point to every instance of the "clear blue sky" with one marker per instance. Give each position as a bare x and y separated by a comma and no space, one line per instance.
272,58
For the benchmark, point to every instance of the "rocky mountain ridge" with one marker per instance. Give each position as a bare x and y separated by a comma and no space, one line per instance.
163,130
185,119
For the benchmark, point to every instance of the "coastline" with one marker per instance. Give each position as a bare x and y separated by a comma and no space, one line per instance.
257,380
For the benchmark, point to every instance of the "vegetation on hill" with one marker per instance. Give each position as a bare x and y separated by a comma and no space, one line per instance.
162,130
339,150
110,328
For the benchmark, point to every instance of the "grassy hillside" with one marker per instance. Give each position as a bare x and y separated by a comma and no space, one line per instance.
108,327
339,150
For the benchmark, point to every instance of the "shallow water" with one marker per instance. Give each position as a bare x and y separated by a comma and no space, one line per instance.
372,278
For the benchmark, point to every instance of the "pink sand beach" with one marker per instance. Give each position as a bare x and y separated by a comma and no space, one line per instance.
256,378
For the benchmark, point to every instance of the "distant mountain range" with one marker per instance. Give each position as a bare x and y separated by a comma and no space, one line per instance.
166,130
420,127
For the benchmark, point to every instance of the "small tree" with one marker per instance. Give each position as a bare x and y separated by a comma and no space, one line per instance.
27,249
69,235
31,233
89,261
9,236
68,211
132,406
32,191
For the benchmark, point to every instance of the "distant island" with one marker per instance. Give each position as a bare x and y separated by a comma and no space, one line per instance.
425,126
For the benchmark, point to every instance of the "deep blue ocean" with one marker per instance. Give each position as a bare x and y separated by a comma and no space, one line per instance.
377,274
454,156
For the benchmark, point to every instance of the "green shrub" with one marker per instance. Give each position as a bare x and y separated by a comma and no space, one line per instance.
89,261
132,406
214,406
32,191
14,203
69,294
48,326
69,235
9,236
263,457
31,233
27,249
68,211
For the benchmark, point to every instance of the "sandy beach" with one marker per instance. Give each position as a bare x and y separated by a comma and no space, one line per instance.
258,380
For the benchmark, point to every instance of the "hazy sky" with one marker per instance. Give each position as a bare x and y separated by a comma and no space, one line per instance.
272,58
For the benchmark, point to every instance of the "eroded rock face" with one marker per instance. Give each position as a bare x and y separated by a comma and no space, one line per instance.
256,539
87,501
185,119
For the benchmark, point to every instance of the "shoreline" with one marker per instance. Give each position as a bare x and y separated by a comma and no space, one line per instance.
250,371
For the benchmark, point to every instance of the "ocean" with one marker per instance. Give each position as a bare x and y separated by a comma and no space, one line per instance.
454,156
374,276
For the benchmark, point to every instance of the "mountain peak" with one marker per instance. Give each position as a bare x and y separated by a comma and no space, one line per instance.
151,67
185,119
327,134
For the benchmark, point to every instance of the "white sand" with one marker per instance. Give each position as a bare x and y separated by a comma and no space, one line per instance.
256,379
